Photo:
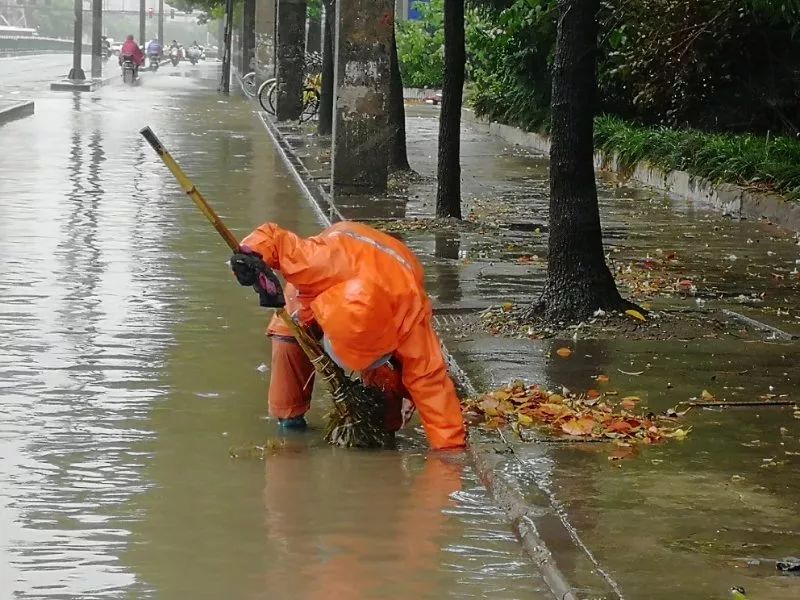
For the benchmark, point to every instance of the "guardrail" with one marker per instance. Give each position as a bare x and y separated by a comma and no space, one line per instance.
13,45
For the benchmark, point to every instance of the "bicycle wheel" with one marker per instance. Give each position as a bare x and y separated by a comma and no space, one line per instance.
249,84
265,96
272,97
310,104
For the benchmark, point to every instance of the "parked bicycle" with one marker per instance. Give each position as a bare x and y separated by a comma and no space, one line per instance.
268,90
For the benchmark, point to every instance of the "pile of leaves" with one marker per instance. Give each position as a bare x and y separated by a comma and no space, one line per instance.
591,415
654,276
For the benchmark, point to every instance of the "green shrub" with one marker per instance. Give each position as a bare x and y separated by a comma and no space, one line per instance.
743,159
420,46
509,55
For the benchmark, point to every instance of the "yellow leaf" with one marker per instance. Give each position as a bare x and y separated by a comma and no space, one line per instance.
501,395
525,420
679,434
635,314
707,396
507,306
564,352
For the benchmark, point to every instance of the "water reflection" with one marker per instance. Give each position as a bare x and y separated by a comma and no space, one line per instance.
130,366
446,282
390,547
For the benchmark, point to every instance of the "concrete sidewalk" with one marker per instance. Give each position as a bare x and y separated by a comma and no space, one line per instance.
11,110
684,519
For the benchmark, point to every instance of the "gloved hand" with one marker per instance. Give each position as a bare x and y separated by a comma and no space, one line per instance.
246,266
250,269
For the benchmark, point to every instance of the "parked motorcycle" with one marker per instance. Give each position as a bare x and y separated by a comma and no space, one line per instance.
174,56
128,70
154,62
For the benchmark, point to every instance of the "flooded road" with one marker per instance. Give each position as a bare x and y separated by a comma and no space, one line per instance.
131,362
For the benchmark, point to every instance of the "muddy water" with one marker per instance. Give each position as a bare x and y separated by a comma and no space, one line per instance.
131,362
680,520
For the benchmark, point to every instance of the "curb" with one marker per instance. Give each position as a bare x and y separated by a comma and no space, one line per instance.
17,110
731,200
519,513
87,85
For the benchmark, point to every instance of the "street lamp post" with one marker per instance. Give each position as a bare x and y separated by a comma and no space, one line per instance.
142,32
76,72
161,21
97,34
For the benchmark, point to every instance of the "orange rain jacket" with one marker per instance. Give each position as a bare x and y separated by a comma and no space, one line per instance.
366,291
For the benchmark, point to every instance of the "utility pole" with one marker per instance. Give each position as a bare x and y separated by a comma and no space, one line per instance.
226,57
248,36
161,22
76,72
97,34
142,23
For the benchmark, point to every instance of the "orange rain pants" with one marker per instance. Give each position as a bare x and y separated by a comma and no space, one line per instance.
366,291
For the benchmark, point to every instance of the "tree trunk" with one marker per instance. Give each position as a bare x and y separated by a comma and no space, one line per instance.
398,156
578,279
325,123
314,36
448,191
291,59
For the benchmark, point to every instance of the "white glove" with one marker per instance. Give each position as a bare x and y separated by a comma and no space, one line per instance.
407,411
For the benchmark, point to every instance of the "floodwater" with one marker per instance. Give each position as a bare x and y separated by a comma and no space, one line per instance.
131,362
684,519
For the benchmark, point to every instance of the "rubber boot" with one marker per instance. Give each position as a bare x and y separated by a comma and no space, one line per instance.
296,423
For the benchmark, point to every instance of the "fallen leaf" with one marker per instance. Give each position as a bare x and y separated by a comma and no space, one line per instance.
628,403
489,406
564,352
707,396
507,306
525,420
581,426
602,379
501,395
619,427
635,314
592,394
678,434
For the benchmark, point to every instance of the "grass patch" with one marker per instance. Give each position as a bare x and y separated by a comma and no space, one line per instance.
743,159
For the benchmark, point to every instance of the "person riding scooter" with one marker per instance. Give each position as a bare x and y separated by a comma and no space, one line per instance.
154,48
130,49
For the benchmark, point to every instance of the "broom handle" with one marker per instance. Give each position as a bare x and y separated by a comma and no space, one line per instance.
190,189
306,341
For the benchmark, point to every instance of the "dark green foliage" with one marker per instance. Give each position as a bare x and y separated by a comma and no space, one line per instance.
710,64
716,65
772,162
420,46
509,56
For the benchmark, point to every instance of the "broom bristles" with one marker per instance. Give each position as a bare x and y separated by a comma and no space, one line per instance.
362,422
357,419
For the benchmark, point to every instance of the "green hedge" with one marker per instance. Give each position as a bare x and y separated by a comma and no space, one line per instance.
769,162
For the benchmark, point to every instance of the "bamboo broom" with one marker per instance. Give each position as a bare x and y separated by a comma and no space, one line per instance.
357,418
